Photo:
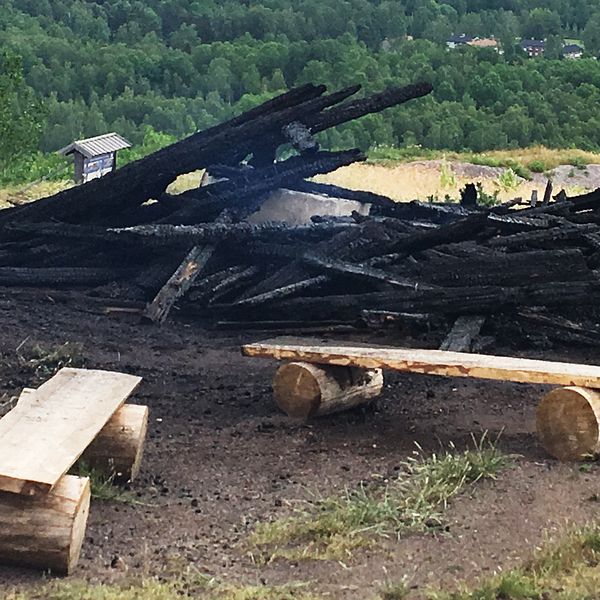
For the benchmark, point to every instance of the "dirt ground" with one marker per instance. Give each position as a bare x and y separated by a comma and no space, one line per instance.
220,457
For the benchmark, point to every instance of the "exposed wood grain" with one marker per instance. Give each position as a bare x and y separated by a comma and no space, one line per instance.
45,531
429,362
305,390
42,438
118,449
568,423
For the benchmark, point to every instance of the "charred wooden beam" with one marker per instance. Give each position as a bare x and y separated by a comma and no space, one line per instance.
358,271
67,276
284,292
179,283
463,333
216,232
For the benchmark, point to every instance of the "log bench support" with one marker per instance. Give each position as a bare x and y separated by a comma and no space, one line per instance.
329,380
568,423
305,390
45,531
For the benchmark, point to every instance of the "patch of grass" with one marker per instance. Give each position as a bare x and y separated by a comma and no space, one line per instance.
447,176
188,586
395,591
566,570
333,527
46,361
537,166
508,180
484,198
103,487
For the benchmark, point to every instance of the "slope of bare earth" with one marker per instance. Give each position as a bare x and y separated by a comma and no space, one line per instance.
220,457
435,179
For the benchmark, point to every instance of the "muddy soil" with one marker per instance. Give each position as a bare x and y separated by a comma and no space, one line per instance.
220,457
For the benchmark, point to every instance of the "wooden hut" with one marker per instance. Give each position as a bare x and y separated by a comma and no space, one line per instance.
95,156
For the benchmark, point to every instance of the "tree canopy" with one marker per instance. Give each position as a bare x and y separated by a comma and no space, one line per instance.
182,65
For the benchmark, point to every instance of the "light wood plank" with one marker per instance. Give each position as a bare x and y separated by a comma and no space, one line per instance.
41,438
429,362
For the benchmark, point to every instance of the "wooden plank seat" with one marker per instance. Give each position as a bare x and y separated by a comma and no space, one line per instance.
568,418
43,511
40,440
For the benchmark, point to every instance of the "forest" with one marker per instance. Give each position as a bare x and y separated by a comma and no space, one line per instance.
169,67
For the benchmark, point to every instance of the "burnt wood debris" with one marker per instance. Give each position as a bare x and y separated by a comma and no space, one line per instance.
521,267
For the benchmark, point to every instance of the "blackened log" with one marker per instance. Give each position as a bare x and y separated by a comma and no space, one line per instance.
335,191
463,333
179,283
233,282
355,109
379,319
511,269
216,232
284,292
203,289
68,276
559,328
515,223
547,193
450,301
455,232
544,238
358,271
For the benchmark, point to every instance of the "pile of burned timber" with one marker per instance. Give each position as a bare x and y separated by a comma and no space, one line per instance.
389,262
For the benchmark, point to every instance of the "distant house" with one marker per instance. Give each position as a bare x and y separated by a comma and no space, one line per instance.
485,43
533,48
572,51
458,40
95,157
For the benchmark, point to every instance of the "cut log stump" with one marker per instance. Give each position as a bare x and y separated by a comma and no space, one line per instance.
117,450
305,390
568,423
47,530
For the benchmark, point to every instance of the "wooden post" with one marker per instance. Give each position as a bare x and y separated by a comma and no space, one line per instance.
306,390
47,530
568,423
118,448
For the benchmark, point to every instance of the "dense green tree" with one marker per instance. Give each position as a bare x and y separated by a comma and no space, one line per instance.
20,112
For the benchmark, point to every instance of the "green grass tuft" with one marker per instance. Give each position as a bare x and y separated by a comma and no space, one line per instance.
565,570
46,361
103,487
333,527
185,586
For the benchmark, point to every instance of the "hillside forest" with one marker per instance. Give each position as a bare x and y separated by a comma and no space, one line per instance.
156,70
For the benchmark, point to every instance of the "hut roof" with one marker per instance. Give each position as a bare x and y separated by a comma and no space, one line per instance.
95,146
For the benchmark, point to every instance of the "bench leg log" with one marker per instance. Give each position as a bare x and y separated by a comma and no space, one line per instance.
45,531
568,423
305,390
118,448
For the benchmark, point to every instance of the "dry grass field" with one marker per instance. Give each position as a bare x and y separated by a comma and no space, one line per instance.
423,175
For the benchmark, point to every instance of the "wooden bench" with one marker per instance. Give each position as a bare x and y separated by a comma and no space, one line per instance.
43,510
568,418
